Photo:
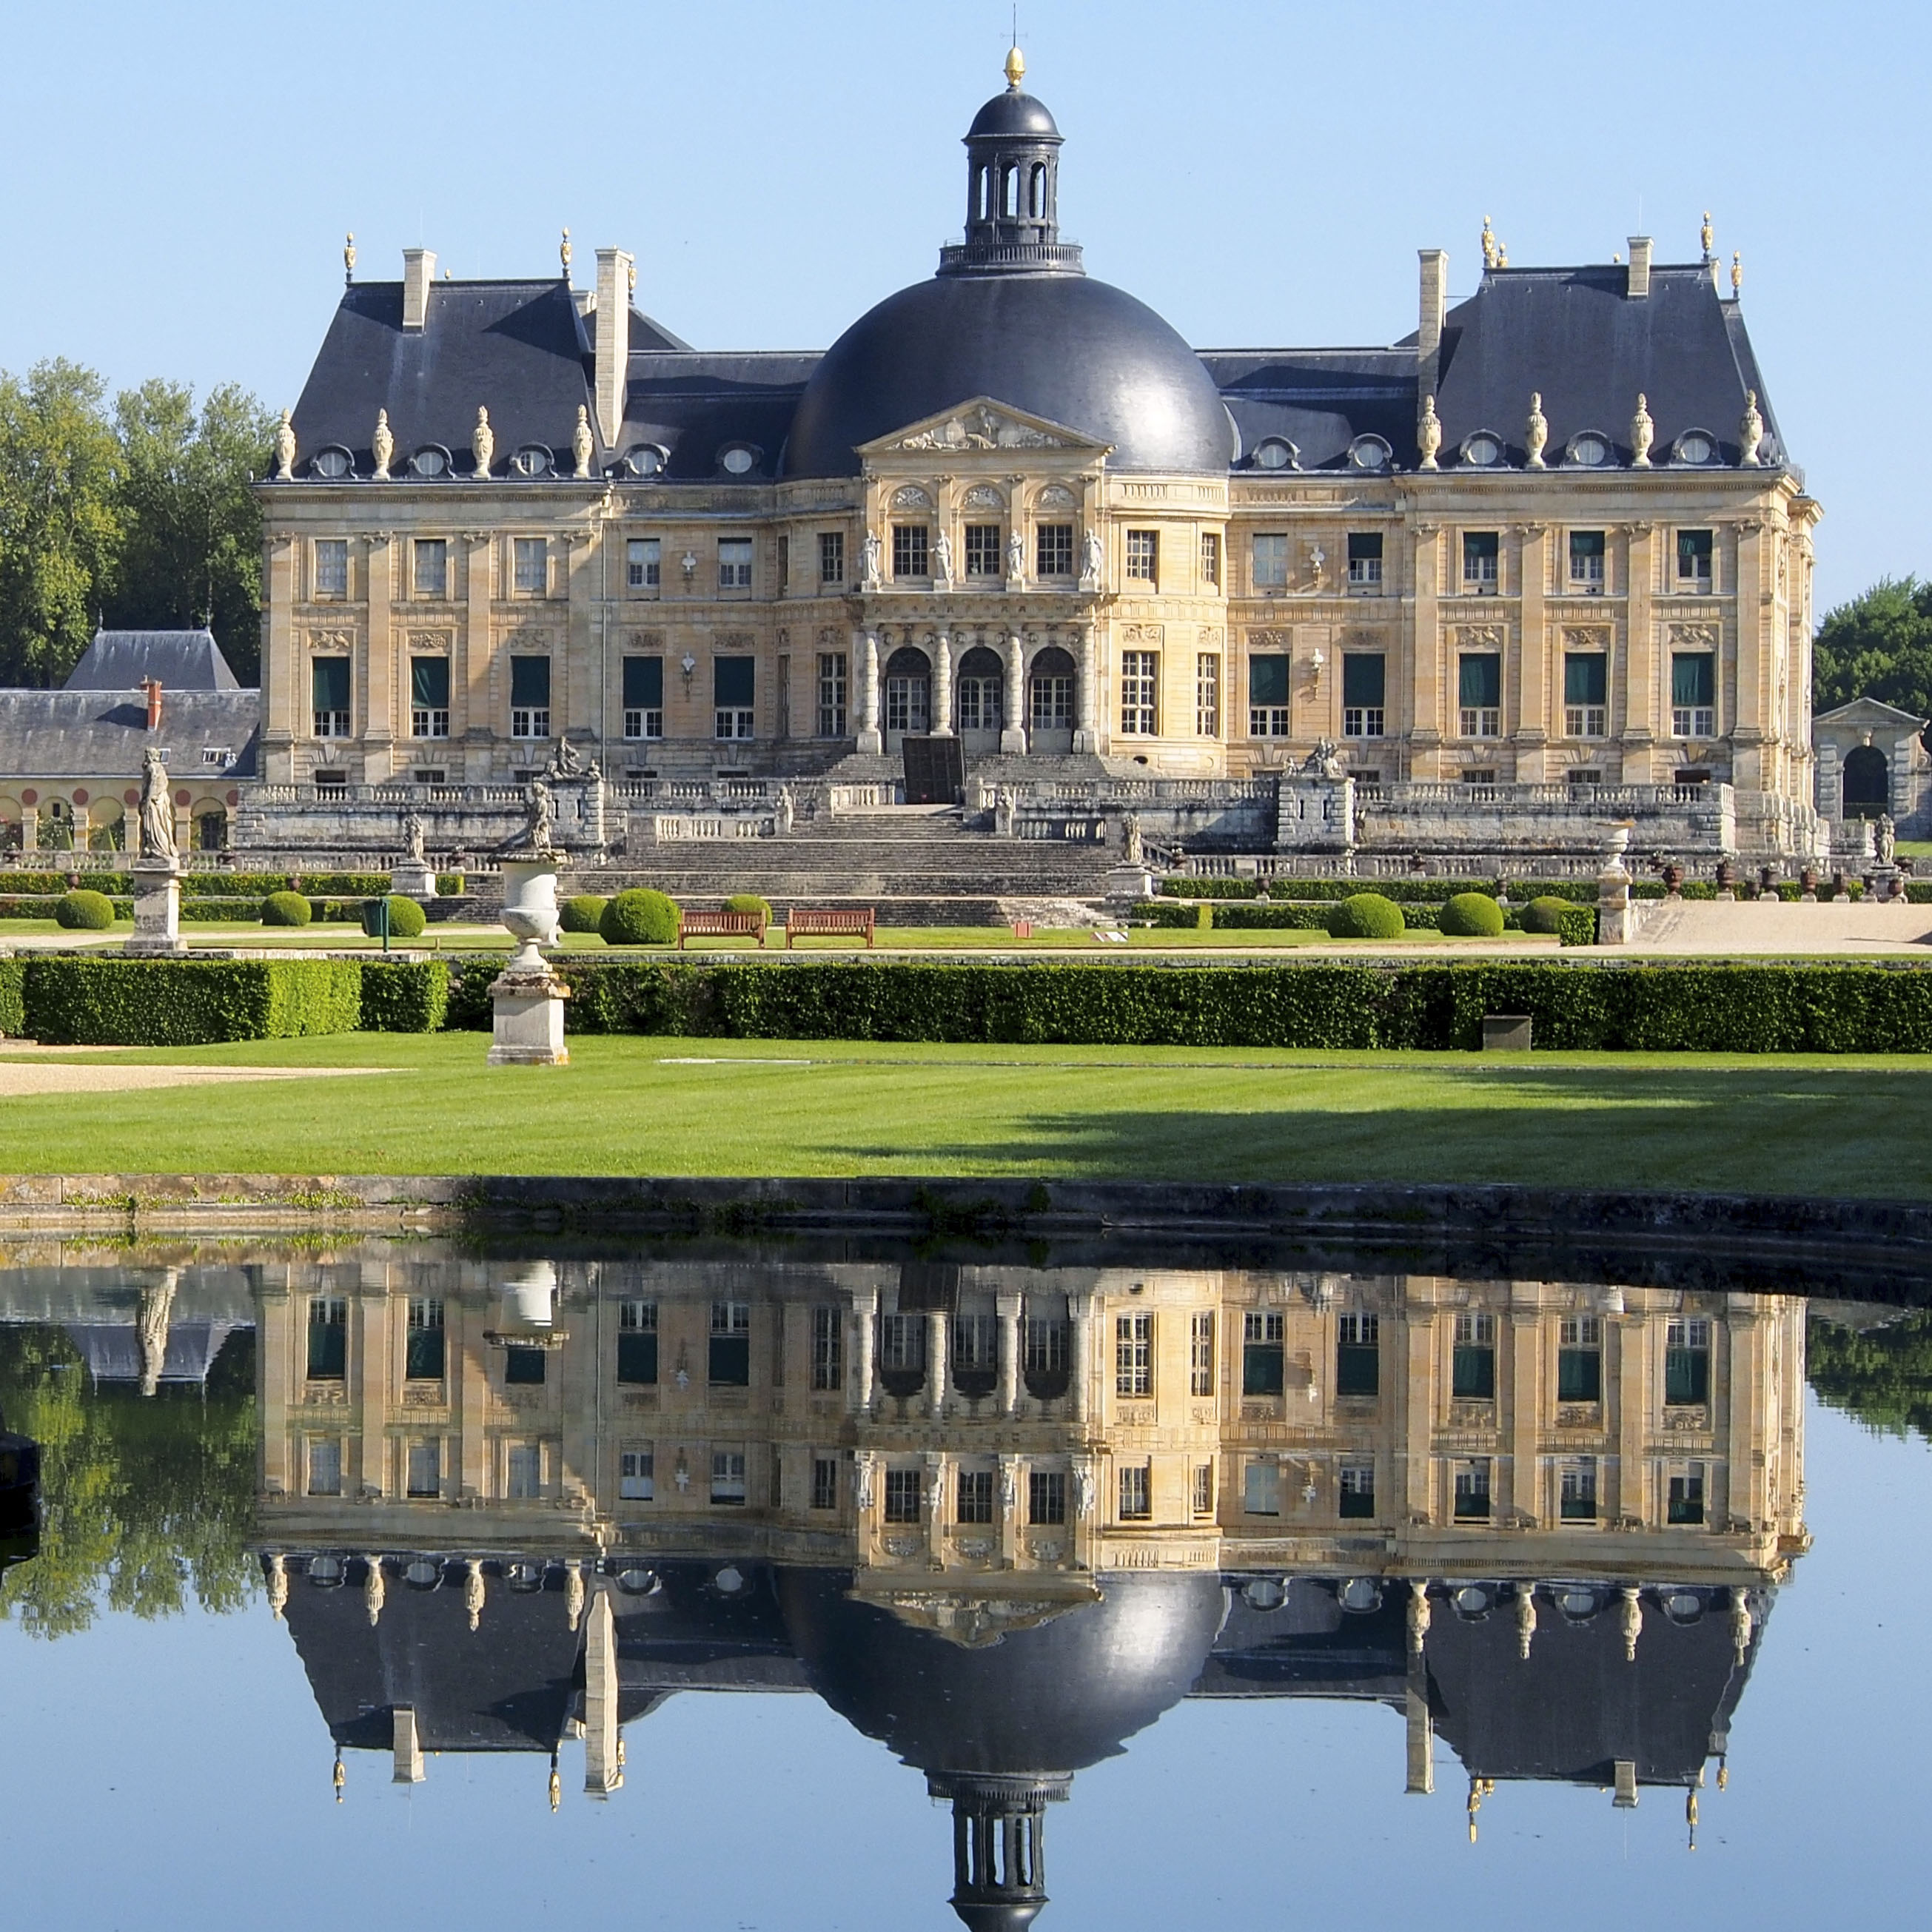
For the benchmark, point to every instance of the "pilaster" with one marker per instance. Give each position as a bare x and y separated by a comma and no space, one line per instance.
380,724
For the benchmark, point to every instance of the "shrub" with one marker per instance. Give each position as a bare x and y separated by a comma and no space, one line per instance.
749,902
404,995
1545,915
1471,916
639,918
1211,889
286,909
449,885
1577,926
72,1000
584,913
12,997
1366,916
407,918
84,911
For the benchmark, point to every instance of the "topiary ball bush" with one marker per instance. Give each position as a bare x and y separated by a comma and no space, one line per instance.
639,918
1546,915
1367,916
84,912
1471,916
584,913
749,902
406,918
286,909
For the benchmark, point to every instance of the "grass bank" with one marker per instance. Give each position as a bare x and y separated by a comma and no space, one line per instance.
1801,1125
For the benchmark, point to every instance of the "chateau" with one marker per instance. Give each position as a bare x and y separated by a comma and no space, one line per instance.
1550,545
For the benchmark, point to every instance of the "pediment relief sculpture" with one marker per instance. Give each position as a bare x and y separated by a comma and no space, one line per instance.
984,424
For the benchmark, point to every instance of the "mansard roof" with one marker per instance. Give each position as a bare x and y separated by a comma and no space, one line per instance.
179,660
83,734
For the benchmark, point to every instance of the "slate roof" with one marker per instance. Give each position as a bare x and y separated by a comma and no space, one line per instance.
181,660
102,734
692,405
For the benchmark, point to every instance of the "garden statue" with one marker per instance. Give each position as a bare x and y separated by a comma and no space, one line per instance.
1130,839
942,558
1886,840
539,822
566,762
158,812
414,833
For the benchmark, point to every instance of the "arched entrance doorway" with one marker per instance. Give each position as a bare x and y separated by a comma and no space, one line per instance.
980,701
1867,782
1050,705
908,695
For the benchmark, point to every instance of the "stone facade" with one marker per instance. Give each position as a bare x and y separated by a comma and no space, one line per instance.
1871,758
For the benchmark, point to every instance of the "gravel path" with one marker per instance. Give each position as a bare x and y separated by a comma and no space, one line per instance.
19,1079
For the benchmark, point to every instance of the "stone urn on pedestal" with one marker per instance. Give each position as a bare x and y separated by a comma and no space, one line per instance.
527,996
1615,926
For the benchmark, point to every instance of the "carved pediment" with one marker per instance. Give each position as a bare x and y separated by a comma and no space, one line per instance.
983,424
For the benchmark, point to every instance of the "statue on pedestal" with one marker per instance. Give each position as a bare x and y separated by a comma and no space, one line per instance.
870,576
414,833
1093,561
942,558
566,762
1886,840
158,812
1015,557
539,822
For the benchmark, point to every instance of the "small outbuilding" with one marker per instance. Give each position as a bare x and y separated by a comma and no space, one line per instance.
1872,760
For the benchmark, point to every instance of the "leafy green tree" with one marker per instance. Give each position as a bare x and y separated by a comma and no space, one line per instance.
1880,645
1882,1376
60,518
191,551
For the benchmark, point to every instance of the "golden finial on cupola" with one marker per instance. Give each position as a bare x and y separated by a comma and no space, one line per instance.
339,1778
1706,236
349,256
1737,273
563,253
1016,67
1490,251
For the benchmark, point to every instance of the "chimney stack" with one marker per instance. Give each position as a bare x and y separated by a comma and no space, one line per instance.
1435,308
614,339
1638,288
152,686
419,271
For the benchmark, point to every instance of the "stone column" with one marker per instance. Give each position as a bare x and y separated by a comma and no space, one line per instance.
1086,738
406,1747
1749,726
1012,736
30,828
1421,1732
1524,1403
1008,1307
870,738
938,1473
865,1316
1532,692
1080,1318
936,1322
282,702
380,726
1639,682
1425,724
1012,1492
1415,1367
580,704
1631,1365
942,684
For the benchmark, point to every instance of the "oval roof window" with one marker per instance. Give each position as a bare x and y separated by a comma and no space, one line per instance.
1590,449
1368,452
333,463
532,460
1483,450
1696,445
739,459
646,460
1274,452
432,459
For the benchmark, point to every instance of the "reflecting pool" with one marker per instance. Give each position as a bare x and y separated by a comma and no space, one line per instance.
365,1578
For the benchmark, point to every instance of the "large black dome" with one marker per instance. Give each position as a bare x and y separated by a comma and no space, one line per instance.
1063,347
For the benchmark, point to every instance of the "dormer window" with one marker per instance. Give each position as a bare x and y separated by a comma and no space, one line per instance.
332,464
646,460
533,460
739,459
1274,452
1589,449
1483,450
432,459
1370,452
1694,446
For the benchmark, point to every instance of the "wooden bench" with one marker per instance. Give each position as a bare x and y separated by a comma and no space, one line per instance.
804,922
720,926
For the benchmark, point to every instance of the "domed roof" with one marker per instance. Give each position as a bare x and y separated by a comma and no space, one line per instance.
1014,113
1063,347
1055,1697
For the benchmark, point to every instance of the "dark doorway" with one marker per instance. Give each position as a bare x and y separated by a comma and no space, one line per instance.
1867,782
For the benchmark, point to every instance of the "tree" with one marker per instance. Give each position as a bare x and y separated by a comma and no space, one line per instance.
60,518
1880,645
191,552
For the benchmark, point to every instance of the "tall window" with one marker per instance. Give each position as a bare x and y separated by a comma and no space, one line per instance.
825,1482
1472,1490
1261,1352
1693,695
1133,1355
638,1342
423,1471
832,556
1201,1353
828,1347
1365,560
1685,1504
1271,562
903,1490
832,669
1695,551
1687,1363
324,1466
1482,551
530,563
1046,1495
986,546
727,1478
975,1354
1051,696
1136,1492
430,567
636,1475
1261,1487
644,562
429,697
1053,550
1208,694
423,1351
912,550
1267,695
1580,1359
731,1360
329,679
1586,685
902,1353
328,1338
1356,1491
1047,1354
732,682
524,1367
1143,556
643,696
1140,684
1204,1488
974,1502
529,697
1479,678
331,567
1358,1355
784,562
1473,1370
1577,1500
734,563
1586,563
1364,685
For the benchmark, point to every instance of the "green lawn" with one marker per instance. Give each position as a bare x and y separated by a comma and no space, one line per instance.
1811,1125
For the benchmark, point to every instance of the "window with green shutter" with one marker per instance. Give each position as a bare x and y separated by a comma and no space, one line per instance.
1268,695
1364,682
329,688
644,697
429,697
1694,694
1586,679
1479,687
529,697
732,682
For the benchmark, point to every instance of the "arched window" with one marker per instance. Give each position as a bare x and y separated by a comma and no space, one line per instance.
1012,192
909,692
985,192
1867,782
1036,198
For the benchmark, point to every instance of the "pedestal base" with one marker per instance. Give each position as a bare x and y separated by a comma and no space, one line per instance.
1013,741
413,878
156,912
870,745
1126,884
528,998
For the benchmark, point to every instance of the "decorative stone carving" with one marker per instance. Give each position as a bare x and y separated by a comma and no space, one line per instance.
1093,562
1751,431
1491,254
911,497
1057,496
983,427
1418,1589
414,833
472,1591
383,445
1886,840
1318,566
1705,237
1694,636
863,1464
573,1594
1428,434
1015,557
278,1585
942,558
1630,1621
583,444
1525,1618
1324,761
1586,637
983,496
285,449
1152,635
158,812
374,1591
482,442
1536,431
1642,434
567,761
870,576
1480,636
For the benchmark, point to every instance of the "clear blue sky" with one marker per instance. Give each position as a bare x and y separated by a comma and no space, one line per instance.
179,177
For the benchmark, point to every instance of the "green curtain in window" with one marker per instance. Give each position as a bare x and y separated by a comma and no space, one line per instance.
1693,678
1364,678
332,683
1267,679
529,683
643,684
1585,678
429,683
1480,683
732,680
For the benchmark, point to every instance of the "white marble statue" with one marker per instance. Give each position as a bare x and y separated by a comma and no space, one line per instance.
158,812
414,833
285,449
1428,434
942,558
1093,562
1015,557
871,578
1643,434
1536,431
1886,840
582,443
482,442
383,444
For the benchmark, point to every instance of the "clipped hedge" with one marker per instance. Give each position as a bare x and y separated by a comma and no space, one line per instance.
1471,916
639,917
286,909
1545,914
1420,891
97,1002
404,995
1211,889
582,914
1366,916
13,998
1577,926
51,885
749,902
84,912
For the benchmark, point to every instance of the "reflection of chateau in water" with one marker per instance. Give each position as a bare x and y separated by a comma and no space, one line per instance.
1001,1518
